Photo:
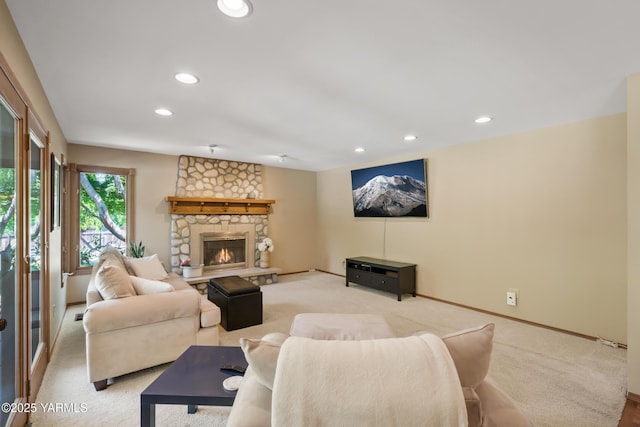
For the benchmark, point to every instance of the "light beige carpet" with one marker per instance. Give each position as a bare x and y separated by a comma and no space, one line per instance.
557,379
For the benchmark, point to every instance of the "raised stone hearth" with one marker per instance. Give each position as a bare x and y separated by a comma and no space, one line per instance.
212,178
257,276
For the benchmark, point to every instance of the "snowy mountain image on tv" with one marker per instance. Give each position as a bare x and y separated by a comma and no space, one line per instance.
393,190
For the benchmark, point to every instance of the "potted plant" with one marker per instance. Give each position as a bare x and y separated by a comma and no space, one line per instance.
265,247
190,270
136,250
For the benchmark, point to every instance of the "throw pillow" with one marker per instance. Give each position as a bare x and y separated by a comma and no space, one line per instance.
275,338
148,267
470,350
112,281
144,286
263,358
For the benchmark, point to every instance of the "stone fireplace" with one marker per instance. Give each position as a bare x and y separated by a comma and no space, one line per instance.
216,240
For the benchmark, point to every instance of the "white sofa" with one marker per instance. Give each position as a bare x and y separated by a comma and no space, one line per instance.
130,331
485,404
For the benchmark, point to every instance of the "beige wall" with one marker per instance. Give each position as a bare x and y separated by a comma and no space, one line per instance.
15,54
155,179
289,224
292,224
543,212
633,257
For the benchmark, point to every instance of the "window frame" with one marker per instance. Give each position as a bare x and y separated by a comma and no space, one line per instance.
73,258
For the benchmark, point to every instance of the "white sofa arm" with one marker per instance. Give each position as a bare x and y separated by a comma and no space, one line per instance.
138,310
209,313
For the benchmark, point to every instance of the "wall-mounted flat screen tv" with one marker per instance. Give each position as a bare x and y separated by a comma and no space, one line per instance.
393,190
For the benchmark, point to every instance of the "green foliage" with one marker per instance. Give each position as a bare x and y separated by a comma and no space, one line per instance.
90,250
103,214
113,197
7,212
136,250
36,218
7,195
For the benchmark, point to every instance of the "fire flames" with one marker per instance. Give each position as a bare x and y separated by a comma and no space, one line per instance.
223,256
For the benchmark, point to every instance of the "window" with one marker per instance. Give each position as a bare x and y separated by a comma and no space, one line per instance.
102,212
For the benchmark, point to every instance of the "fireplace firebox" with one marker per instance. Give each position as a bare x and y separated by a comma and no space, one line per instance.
223,250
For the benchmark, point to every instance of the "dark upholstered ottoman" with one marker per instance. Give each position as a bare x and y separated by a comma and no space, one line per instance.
240,301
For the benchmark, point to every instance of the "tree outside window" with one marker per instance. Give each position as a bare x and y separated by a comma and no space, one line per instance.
104,211
7,219
35,221
103,215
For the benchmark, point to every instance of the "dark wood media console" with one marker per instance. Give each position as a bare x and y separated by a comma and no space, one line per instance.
382,274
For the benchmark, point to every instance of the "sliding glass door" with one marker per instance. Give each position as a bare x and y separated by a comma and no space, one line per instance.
9,274
36,258
24,266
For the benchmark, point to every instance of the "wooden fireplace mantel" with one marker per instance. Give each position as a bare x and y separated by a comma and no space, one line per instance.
215,206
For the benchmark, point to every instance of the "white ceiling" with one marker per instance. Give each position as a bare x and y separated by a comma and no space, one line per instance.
315,79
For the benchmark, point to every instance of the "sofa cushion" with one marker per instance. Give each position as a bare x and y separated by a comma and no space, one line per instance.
336,326
474,407
470,350
140,310
177,282
144,286
262,355
112,281
209,313
148,267
252,405
498,409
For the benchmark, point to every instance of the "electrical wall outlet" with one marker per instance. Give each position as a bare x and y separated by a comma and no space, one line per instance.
512,297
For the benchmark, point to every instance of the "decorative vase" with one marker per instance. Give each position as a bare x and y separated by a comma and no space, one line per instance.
192,271
264,259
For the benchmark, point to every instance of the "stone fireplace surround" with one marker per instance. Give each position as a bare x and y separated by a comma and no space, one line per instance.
204,177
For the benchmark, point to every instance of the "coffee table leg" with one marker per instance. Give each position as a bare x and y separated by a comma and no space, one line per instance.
147,414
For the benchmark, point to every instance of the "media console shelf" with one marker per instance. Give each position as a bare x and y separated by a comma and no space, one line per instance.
382,274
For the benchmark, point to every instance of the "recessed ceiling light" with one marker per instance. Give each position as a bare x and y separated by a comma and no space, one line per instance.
484,119
164,112
359,150
235,8
410,138
186,78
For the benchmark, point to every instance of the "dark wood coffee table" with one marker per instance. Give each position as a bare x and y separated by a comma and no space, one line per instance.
193,379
